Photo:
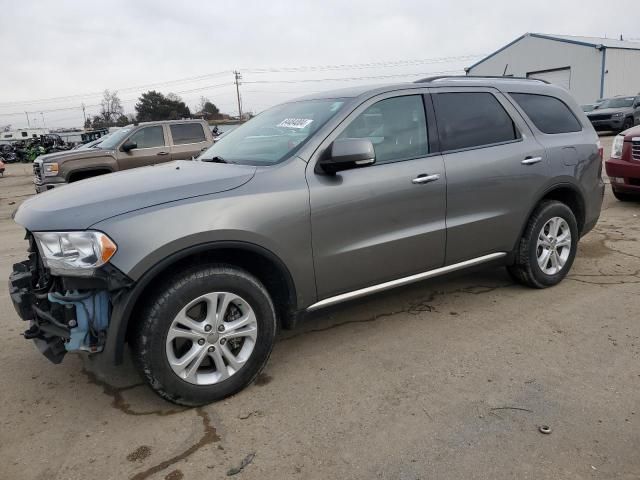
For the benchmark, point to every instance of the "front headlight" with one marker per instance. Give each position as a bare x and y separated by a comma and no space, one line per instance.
74,253
617,115
616,148
50,169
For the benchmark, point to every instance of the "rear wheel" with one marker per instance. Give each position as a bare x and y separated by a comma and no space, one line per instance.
205,335
548,247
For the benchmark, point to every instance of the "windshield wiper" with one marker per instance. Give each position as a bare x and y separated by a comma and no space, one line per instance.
216,159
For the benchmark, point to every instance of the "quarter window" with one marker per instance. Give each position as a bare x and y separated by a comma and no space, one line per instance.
548,114
472,119
396,127
148,137
184,133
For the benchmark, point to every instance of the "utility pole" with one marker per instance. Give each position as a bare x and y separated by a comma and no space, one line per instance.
238,77
28,123
43,124
84,114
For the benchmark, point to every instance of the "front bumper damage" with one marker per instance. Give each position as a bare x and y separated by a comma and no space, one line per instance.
65,314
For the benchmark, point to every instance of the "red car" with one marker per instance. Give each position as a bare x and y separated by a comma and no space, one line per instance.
1,168
623,168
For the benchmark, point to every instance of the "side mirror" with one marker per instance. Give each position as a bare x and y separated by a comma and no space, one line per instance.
348,153
128,146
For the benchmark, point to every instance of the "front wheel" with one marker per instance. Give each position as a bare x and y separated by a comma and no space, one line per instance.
548,247
205,335
628,123
625,197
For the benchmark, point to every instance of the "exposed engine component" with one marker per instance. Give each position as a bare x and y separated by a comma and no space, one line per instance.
90,319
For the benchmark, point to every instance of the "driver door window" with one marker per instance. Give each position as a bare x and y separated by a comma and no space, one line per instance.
396,127
150,149
148,137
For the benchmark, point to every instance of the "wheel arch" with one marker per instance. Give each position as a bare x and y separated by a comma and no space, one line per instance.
83,173
567,193
257,260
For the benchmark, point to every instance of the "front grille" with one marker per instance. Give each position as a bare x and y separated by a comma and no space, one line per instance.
37,172
635,149
599,117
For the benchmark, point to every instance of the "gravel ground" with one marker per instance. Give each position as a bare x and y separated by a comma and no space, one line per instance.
450,378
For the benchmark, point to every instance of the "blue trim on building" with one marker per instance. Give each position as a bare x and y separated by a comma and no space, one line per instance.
564,40
603,71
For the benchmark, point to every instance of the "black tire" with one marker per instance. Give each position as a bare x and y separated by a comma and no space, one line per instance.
625,197
149,336
628,123
526,270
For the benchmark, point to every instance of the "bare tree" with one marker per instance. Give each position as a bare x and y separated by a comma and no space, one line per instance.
201,103
111,107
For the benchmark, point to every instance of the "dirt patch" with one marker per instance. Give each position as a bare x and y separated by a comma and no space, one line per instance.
139,454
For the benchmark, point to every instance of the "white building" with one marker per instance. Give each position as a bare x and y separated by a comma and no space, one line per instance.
589,67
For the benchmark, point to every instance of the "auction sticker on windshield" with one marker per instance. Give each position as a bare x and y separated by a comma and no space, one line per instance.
295,122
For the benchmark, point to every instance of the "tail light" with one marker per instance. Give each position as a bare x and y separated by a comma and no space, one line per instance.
601,155
600,150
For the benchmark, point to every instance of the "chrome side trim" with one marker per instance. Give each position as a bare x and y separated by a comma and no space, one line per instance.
403,281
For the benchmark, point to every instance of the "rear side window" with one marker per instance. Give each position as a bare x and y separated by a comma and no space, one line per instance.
472,119
548,114
187,133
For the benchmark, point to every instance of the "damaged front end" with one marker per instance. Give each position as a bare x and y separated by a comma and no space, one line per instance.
66,313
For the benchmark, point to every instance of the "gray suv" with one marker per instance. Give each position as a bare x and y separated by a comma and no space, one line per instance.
196,265
616,113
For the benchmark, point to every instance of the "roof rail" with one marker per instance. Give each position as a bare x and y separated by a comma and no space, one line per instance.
476,77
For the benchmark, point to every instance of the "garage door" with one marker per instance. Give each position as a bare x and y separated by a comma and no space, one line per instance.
557,76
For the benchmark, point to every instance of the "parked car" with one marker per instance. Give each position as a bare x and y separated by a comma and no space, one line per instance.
623,167
92,143
616,114
2,167
310,204
133,146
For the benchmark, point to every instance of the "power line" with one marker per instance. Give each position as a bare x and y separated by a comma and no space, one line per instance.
357,66
119,90
292,69
344,79
206,87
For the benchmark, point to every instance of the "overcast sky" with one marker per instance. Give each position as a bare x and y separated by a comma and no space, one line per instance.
77,48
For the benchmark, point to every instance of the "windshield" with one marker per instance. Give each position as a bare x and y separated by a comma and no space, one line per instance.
273,135
617,102
115,138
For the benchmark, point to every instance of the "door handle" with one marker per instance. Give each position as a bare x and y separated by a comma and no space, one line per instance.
162,153
424,178
531,160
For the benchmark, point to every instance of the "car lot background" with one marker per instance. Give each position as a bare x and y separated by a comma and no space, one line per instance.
449,378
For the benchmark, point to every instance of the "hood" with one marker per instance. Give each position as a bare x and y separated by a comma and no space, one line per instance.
79,205
631,133
608,111
73,155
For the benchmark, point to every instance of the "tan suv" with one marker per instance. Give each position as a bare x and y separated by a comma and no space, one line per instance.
133,146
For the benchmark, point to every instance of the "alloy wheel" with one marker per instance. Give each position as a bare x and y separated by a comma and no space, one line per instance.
211,338
554,245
